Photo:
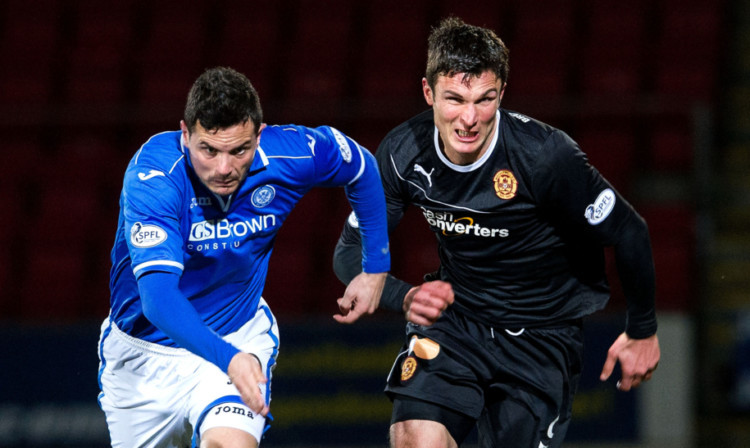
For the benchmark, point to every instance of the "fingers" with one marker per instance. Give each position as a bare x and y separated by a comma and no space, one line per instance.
609,366
255,400
428,302
350,312
245,372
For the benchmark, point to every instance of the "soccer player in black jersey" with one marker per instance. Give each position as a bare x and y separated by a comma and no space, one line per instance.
521,219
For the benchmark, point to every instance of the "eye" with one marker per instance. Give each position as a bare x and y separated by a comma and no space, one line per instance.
240,151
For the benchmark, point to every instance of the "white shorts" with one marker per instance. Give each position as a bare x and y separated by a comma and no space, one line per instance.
157,396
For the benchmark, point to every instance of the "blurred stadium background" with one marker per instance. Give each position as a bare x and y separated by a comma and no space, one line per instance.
657,92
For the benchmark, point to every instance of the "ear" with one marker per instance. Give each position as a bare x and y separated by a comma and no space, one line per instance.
185,132
427,92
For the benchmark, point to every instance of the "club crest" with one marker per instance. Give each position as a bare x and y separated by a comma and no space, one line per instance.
505,184
408,368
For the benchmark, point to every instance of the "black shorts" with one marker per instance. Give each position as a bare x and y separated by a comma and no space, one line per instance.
517,384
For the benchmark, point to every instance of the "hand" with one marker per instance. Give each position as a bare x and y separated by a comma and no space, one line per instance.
424,304
638,359
361,296
247,375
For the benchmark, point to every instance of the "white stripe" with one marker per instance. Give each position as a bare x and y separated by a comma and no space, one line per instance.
361,166
393,162
158,263
175,164
290,157
263,156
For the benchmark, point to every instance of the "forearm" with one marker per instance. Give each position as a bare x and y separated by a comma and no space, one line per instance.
368,201
635,267
166,308
347,263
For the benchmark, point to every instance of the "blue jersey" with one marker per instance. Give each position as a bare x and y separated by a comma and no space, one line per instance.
220,246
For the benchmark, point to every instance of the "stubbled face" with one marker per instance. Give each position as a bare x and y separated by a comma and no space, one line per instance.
221,157
465,113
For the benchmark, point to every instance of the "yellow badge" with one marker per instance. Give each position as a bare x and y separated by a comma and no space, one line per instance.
505,184
426,348
408,368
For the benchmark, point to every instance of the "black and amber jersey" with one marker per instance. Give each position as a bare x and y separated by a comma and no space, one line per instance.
521,231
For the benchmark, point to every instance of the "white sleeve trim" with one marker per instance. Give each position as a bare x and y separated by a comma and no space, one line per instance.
147,264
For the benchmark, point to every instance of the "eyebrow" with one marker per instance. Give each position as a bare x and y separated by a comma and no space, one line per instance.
486,92
243,145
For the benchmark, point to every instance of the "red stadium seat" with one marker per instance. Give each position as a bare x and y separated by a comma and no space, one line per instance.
98,62
486,13
671,146
249,42
29,47
615,50
672,229
319,65
54,282
688,49
611,150
173,52
394,52
541,50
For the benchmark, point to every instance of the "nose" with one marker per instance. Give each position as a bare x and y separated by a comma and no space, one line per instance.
224,165
469,115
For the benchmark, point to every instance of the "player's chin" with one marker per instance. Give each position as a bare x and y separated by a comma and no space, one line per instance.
224,189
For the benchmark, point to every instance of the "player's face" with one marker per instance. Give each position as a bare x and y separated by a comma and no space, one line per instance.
221,158
464,113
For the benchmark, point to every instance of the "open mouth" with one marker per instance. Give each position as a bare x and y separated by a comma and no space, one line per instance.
466,136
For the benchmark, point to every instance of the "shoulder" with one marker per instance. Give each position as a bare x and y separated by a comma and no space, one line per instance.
418,129
158,164
162,150
408,140
528,137
287,139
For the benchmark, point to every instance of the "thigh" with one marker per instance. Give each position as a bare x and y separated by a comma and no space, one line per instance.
216,403
143,394
419,423
530,404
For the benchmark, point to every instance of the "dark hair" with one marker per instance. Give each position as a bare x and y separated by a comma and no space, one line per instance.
222,97
456,47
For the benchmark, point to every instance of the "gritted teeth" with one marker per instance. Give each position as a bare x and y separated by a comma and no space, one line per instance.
462,133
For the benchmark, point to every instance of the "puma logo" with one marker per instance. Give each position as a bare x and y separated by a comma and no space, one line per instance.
418,168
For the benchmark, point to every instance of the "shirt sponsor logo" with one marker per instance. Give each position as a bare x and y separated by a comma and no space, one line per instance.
464,225
601,208
344,149
148,235
505,184
221,229
263,196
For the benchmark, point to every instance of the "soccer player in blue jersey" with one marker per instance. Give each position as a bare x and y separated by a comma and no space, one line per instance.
189,345
521,218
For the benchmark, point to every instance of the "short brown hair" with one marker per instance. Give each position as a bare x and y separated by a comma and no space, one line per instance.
456,47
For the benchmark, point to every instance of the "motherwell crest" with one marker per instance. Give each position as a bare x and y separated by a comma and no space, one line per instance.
505,184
